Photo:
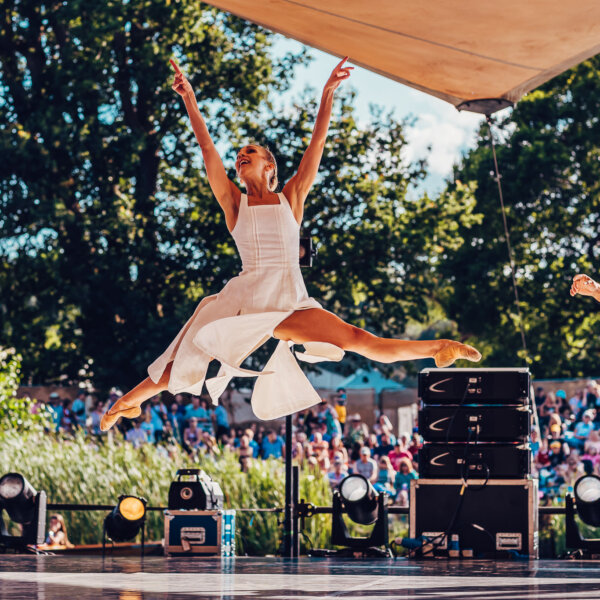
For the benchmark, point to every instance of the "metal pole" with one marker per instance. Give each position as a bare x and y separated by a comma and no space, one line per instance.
287,520
295,516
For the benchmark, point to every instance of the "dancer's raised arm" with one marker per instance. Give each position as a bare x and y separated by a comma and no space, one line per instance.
225,191
586,286
297,188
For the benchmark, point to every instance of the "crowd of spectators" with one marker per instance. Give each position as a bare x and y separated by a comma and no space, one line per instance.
565,440
325,439
567,443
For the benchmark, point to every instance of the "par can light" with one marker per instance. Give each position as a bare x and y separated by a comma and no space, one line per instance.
25,506
359,498
587,499
126,519
17,497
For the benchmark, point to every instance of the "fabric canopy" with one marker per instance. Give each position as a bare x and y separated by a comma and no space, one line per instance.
462,52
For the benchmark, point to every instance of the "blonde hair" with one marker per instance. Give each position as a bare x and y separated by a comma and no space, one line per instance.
63,528
273,181
405,461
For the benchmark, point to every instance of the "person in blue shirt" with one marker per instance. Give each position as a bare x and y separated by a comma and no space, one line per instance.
272,445
221,421
197,410
148,427
159,416
78,409
56,409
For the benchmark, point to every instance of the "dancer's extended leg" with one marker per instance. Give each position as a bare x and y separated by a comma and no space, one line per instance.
128,406
319,325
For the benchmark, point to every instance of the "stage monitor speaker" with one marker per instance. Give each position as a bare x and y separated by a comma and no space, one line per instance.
492,520
486,423
475,386
474,461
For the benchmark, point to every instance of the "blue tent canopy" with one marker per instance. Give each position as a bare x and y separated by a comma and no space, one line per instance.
372,379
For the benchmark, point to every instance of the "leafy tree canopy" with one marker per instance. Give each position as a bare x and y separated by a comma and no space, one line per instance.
109,234
548,152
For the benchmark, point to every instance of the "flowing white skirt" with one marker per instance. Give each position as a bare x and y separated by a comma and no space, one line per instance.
232,324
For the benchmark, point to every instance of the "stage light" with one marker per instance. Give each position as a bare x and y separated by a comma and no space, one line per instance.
587,505
587,499
126,519
194,490
359,498
24,505
365,506
18,497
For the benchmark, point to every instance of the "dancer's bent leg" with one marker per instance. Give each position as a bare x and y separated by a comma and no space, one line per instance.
128,406
319,325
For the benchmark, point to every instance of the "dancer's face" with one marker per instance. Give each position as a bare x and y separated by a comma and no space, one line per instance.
253,165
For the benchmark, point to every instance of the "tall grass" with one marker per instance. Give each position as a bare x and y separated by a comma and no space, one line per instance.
89,470
83,470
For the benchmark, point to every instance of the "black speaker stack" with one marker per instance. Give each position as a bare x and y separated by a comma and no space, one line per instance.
475,496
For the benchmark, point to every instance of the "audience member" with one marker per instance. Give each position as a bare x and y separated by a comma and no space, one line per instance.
272,445
366,466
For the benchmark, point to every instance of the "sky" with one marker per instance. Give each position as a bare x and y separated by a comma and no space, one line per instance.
439,125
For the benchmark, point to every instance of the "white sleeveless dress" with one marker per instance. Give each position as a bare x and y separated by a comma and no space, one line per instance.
232,324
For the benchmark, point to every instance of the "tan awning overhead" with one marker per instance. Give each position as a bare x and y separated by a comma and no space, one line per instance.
460,51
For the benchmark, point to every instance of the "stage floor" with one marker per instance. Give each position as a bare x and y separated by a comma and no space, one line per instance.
127,578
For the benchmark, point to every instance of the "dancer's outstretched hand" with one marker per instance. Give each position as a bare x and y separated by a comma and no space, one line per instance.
338,75
180,84
586,286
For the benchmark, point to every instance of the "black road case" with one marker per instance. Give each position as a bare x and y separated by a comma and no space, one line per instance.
474,460
488,423
493,519
475,386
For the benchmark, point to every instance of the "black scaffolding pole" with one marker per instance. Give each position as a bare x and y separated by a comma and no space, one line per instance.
289,509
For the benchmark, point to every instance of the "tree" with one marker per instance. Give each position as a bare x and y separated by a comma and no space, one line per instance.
110,233
548,149
94,165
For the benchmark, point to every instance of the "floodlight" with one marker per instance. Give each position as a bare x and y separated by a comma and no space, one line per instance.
24,505
359,498
587,499
587,504
126,519
365,506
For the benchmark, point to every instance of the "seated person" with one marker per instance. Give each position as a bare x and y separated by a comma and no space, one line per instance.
57,537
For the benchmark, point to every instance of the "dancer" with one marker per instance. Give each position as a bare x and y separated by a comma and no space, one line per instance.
268,298
586,286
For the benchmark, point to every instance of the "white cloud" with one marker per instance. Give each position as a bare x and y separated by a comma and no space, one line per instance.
447,136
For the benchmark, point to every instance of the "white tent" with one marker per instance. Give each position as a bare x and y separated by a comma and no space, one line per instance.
476,54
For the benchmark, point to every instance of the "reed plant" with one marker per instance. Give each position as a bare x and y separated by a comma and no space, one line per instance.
86,469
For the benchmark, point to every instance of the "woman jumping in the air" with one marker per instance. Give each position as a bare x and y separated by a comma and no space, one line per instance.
268,298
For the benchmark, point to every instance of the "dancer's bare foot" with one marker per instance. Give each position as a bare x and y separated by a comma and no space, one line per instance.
451,351
111,416
586,286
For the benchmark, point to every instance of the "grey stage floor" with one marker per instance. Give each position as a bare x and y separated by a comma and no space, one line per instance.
76,578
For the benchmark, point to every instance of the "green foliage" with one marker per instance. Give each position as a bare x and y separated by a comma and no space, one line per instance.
109,233
85,470
548,149
17,414
378,244
96,162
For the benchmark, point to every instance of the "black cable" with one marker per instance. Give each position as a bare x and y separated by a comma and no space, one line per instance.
438,540
457,410
507,237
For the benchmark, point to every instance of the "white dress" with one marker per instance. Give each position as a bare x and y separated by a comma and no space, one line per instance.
232,324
